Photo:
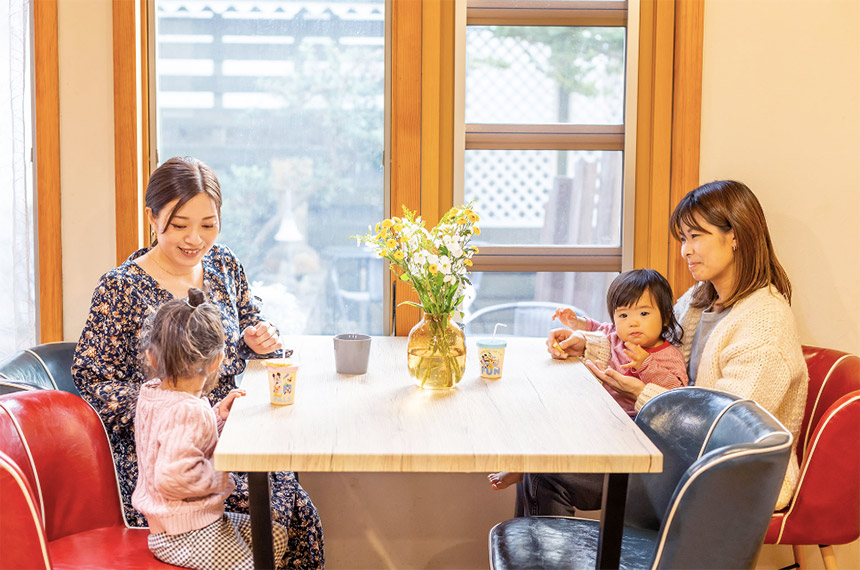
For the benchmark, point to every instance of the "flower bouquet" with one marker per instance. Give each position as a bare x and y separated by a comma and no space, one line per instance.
436,262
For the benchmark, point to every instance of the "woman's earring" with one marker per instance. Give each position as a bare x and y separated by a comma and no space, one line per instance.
734,248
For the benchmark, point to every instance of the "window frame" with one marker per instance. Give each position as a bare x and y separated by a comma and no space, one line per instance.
612,137
426,149
46,142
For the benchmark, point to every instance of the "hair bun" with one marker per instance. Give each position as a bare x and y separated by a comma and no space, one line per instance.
196,297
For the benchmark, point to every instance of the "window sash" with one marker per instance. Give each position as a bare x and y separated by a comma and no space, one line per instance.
483,136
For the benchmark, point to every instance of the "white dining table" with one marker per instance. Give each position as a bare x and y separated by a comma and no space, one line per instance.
541,416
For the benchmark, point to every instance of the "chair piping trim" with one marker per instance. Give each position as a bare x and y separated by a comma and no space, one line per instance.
818,396
806,459
707,439
667,523
23,387
29,457
39,526
490,545
42,362
113,462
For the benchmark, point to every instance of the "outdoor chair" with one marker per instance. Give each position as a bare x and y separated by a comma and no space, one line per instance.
523,318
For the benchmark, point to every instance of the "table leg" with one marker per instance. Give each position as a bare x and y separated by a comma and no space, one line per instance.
612,520
260,504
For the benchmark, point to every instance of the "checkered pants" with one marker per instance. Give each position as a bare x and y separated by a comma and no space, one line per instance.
223,545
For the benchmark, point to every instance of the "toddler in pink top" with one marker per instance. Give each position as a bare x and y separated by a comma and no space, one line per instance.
640,340
176,429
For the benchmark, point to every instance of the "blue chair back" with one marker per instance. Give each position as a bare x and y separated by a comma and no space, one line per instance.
724,460
47,366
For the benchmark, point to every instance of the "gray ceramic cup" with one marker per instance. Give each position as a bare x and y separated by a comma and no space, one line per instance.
351,353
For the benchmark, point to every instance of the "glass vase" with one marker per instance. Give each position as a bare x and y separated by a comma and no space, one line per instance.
437,352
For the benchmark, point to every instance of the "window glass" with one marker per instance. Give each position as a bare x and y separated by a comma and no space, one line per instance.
525,302
17,239
285,101
546,196
544,75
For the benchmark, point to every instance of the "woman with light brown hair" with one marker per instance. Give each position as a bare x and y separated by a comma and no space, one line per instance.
739,333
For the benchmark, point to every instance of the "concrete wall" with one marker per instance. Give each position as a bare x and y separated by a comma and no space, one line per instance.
781,90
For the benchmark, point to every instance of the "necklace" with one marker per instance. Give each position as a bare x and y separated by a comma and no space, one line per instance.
155,259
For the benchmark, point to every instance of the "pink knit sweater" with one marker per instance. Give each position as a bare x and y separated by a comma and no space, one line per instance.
664,367
178,488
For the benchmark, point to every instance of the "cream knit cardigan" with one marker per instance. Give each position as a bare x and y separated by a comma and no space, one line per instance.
754,352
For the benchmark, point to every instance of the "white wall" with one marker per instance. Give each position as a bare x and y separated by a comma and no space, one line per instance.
781,90
781,112
85,47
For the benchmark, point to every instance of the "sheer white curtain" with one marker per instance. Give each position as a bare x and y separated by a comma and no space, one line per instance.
17,246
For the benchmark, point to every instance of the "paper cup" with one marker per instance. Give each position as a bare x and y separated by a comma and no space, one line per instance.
351,353
492,354
282,381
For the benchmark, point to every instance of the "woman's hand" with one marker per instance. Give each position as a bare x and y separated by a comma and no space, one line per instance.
262,338
562,344
224,406
627,386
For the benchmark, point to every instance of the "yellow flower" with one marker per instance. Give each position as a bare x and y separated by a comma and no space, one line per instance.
467,262
383,253
433,269
398,255
474,250
397,228
461,221
391,243
472,217
476,230
377,227
386,223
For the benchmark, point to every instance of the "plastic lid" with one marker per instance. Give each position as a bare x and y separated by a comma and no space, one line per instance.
492,343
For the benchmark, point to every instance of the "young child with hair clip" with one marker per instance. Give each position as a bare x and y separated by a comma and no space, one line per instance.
176,429
640,341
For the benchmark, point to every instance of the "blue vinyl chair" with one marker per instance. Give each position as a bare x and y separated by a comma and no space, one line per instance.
724,460
47,366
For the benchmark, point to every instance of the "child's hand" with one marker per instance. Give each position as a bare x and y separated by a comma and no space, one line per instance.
224,406
569,319
636,354
262,338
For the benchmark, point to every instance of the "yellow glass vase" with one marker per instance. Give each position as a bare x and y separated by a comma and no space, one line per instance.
437,352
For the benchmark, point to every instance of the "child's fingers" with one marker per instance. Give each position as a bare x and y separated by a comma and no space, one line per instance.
628,365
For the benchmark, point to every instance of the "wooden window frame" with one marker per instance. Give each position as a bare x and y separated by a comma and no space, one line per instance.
49,271
422,153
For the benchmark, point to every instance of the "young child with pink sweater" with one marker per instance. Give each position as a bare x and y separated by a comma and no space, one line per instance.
176,429
640,341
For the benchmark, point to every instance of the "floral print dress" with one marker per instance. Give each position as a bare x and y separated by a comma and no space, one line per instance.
108,369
